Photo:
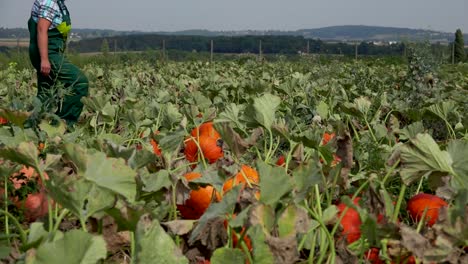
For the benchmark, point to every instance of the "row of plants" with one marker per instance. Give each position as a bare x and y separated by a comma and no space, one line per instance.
278,162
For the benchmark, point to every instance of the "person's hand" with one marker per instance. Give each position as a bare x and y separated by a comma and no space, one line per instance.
45,67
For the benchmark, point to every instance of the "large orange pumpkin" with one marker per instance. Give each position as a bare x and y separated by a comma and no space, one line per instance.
246,174
195,206
211,148
206,129
420,202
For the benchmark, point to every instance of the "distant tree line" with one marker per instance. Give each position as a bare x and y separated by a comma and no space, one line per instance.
244,44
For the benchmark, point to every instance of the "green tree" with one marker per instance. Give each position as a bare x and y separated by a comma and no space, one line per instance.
105,48
459,47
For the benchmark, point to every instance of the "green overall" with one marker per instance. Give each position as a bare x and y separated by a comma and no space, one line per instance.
62,70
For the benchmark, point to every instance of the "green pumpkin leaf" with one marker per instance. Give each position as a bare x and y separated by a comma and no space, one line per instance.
153,244
75,247
423,157
263,110
261,251
458,150
228,256
274,183
26,153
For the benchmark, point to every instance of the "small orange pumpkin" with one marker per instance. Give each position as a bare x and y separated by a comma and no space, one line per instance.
327,137
195,206
34,206
242,234
3,121
351,222
420,202
156,149
281,161
251,175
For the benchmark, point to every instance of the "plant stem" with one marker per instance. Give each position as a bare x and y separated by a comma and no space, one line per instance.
59,220
132,247
5,197
49,200
15,222
398,205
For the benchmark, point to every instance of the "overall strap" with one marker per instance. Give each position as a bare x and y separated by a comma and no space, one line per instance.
63,7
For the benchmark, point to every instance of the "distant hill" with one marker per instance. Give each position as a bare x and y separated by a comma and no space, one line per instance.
334,33
343,33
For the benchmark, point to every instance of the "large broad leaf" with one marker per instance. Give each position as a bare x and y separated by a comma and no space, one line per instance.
171,142
26,153
112,174
231,114
53,131
322,110
16,117
154,245
156,181
261,251
76,246
423,157
79,196
443,109
292,221
263,110
95,104
274,183
228,256
458,150
306,176
411,131
172,115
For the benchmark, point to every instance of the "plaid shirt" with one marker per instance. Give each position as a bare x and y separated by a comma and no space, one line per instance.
48,9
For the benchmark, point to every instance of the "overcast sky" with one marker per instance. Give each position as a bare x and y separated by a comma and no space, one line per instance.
157,15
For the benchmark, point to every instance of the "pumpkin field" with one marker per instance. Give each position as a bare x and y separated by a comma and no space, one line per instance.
241,161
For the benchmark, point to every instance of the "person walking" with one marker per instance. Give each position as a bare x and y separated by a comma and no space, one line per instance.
49,27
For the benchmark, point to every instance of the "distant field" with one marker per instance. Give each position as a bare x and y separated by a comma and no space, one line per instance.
14,42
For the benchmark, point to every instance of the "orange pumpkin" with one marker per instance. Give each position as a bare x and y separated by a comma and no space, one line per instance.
281,161
3,121
421,202
372,255
210,147
206,129
34,206
327,137
351,222
41,146
251,175
242,234
156,149
195,206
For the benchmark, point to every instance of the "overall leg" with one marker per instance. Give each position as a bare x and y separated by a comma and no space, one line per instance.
74,80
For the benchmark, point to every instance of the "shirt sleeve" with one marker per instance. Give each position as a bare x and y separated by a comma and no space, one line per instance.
47,9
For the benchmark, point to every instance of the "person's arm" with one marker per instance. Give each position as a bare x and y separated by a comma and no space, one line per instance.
43,43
